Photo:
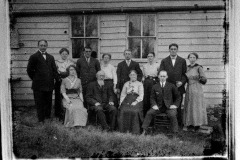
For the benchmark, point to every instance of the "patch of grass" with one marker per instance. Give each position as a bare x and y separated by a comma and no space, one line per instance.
53,140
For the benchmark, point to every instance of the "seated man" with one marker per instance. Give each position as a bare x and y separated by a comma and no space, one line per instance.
100,98
164,98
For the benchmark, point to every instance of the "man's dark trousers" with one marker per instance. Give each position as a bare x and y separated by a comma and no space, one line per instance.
43,102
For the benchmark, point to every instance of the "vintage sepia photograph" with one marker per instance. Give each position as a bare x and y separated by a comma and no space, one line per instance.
119,79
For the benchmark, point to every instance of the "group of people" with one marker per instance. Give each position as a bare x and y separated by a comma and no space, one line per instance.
126,99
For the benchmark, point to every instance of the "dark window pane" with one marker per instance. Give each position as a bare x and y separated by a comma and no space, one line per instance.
93,43
77,48
135,25
148,25
77,26
134,44
147,46
91,26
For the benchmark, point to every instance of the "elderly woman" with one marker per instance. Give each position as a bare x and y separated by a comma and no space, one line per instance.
150,72
71,89
62,65
195,113
131,105
110,80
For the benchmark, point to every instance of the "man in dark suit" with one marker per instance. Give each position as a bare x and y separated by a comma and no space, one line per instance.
164,98
42,70
87,67
176,68
100,98
125,67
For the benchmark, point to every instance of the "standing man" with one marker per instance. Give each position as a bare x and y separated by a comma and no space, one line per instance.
42,70
87,67
165,98
176,68
100,98
125,67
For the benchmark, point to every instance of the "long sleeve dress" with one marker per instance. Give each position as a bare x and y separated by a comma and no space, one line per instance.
131,117
195,113
76,114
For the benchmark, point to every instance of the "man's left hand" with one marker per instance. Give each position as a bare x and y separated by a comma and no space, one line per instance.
173,106
111,103
134,103
178,83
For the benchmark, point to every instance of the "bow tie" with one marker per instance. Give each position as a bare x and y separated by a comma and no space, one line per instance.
173,57
43,53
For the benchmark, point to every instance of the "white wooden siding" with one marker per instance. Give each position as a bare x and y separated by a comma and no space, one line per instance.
198,31
55,29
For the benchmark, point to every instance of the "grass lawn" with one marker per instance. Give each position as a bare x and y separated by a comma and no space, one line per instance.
53,140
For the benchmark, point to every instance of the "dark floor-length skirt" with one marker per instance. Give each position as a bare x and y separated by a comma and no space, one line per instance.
130,117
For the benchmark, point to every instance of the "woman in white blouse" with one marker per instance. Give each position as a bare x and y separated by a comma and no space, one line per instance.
62,65
110,75
131,105
150,77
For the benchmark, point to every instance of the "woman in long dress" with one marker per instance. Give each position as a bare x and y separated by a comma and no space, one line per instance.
71,89
62,65
131,105
110,80
195,114
150,77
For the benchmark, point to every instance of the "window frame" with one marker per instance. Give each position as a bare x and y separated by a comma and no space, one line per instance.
71,37
141,37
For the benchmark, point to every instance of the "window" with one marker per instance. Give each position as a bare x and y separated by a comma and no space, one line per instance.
141,34
84,33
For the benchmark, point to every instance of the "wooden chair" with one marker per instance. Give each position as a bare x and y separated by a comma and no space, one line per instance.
161,120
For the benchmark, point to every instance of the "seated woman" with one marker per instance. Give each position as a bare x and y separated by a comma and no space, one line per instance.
131,105
62,65
71,89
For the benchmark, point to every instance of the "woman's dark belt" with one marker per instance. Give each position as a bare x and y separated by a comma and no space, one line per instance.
107,80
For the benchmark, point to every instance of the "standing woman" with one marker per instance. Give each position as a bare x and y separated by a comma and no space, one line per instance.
71,89
62,65
150,77
195,113
110,75
131,105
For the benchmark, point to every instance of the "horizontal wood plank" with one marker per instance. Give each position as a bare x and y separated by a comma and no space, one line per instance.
43,19
201,41
113,24
116,42
56,43
113,17
113,36
202,55
189,22
193,15
195,35
50,31
36,37
187,28
113,30
56,25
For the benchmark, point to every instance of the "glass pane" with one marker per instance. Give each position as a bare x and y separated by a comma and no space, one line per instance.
77,26
77,48
93,43
147,46
134,44
91,26
148,25
134,25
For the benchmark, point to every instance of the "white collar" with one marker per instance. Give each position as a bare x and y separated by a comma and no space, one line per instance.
173,57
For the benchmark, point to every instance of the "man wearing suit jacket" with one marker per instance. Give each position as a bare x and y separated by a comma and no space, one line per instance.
87,67
164,98
176,68
125,67
42,70
99,97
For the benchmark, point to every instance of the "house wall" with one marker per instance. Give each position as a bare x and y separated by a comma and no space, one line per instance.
195,31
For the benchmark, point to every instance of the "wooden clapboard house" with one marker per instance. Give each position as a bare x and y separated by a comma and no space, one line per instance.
111,26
